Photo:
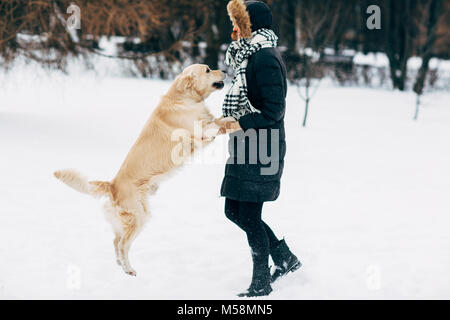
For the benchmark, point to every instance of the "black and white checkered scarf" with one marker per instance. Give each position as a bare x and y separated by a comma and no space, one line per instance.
236,102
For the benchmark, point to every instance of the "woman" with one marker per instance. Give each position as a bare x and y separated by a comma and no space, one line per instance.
257,101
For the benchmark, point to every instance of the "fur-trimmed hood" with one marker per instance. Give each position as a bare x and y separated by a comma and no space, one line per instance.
249,16
239,17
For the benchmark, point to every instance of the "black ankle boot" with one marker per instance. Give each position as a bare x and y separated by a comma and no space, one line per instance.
260,285
285,261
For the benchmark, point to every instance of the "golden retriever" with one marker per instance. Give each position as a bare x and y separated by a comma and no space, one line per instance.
181,113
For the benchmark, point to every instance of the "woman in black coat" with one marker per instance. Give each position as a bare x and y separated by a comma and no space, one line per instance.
257,148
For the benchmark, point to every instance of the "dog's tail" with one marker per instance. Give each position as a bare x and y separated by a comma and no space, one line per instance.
80,183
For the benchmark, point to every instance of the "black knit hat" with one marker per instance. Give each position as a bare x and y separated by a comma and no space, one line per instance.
260,15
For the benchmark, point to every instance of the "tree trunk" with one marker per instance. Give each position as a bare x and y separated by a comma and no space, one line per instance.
212,43
307,99
399,42
427,51
416,114
288,24
305,118
216,35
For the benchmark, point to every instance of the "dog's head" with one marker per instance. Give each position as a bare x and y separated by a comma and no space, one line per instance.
198,81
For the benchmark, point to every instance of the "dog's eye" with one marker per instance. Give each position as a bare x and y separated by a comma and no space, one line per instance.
208,71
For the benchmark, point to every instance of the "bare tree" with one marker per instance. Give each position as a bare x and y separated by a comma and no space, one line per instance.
37,29
317,22
430,13
217,32
399,32
312,74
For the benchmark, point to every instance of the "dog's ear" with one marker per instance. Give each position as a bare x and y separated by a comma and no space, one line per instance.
185,82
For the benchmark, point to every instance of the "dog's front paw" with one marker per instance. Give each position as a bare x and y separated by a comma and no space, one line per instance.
207,139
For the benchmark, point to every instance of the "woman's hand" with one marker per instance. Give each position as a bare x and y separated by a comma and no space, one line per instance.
227,125
231,127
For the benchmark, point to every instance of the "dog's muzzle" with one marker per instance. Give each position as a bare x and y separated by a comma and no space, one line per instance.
218,85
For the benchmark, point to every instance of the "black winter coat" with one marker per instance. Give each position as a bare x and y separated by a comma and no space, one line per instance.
256,179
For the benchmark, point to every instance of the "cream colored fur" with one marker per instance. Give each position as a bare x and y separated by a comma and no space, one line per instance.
152,156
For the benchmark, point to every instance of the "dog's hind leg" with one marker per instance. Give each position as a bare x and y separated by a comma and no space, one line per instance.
131,229
113,217
116,241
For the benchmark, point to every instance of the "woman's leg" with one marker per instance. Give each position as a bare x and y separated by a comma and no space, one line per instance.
273,240
245,221
250,221
232,211
262,240
247,216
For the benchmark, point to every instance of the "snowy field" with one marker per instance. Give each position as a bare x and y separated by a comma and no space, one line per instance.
365,201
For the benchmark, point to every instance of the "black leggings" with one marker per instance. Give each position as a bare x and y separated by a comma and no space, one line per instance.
247,216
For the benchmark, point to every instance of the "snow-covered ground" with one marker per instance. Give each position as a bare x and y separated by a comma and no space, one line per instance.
365,200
